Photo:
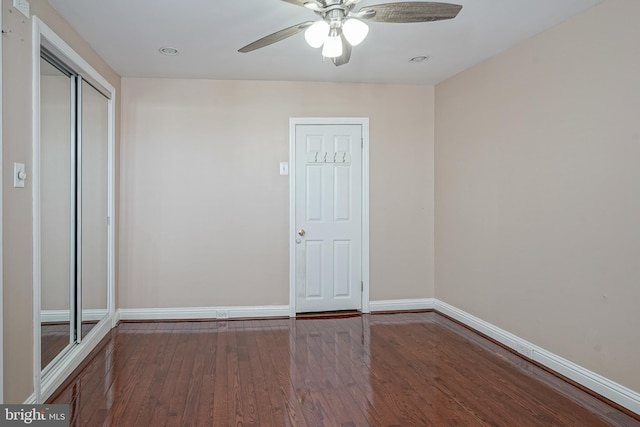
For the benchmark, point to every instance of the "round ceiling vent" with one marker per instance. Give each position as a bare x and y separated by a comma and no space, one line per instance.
169,51
418,59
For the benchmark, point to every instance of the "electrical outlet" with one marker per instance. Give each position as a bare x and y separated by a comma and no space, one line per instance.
525,350
22,6
223,314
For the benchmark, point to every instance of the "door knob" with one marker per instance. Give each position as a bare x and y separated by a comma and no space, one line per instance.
302,232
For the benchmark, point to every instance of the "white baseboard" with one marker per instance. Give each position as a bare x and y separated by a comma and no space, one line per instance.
235,312
186,313
402,304
116,319
31,400
601,385
53,316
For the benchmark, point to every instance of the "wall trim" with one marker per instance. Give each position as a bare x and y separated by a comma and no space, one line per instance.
402,304
1,236
116,319
603,386
53,316
213,313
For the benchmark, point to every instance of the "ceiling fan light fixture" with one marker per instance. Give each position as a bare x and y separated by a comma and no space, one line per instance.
355,31
317,34
333,45
340,27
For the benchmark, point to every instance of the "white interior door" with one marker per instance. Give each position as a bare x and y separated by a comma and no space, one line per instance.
328,216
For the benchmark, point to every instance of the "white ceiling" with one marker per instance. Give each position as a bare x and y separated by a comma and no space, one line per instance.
208,33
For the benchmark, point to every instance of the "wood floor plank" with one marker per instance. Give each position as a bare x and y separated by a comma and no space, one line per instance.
166,396
329,392
108,376
93,402
185,399
505,385
284,405
358,365
242,392
161,371
303,409
255,375
405,369
405,396
205,394
337,372
132,383
221,415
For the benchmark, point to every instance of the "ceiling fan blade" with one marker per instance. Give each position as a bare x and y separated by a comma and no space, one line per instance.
350,2
276,37
346,53
302,3
406,12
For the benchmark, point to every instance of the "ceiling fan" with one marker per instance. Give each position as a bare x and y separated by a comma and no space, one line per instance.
340,27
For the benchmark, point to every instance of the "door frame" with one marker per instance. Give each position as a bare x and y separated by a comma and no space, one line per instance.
1,237
364,123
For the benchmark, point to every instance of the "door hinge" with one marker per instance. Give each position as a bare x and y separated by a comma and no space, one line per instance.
362,142
362,286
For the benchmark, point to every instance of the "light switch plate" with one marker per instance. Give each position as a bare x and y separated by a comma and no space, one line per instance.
22,6
284,168
19,175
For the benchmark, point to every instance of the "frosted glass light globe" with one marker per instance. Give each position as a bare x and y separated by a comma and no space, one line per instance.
332,47
317,33
355,31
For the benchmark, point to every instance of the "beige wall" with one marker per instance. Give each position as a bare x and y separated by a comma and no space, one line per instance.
17,236
204,211
537,195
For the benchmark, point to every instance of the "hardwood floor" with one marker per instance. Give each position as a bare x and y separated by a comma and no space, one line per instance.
408,369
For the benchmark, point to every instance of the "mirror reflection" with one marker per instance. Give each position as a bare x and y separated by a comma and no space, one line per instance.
56,204
94,206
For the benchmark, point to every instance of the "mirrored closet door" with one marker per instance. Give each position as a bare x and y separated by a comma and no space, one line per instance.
57,207
74,208
94,206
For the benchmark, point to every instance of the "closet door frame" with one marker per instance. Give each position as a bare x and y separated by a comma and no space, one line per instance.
1,238
45,385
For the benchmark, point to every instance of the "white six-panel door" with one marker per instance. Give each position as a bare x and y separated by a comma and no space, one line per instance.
328,217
